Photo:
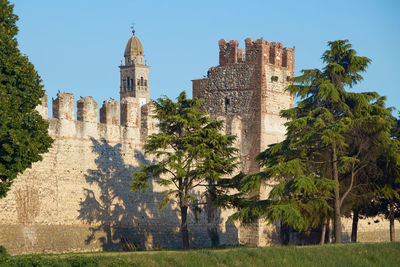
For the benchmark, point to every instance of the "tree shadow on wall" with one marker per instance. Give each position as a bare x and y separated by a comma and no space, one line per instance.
119,218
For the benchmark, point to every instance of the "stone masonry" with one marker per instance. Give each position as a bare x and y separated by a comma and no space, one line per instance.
78,198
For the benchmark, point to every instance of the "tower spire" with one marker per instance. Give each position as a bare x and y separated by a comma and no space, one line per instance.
135,71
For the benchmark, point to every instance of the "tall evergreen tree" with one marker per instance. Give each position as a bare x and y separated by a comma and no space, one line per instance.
386,200
331,138
190,152
370,143
23,132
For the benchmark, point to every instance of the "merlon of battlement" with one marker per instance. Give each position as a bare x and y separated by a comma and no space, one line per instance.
64,106
109,112
87,109
130,112
228,52
43,108
255,53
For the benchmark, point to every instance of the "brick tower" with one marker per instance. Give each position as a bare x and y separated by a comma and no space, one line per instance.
247,91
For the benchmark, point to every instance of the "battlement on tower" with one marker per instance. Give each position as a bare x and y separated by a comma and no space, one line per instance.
256,52
135,119
250,83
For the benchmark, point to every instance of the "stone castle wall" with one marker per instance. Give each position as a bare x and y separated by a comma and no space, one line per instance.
78,198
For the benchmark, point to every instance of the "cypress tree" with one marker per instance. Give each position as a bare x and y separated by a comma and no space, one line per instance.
23,132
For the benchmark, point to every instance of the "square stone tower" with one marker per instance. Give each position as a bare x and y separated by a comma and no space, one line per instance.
247,91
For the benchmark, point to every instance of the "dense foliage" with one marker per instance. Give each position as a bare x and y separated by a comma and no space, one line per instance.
331,156
190,152
23,132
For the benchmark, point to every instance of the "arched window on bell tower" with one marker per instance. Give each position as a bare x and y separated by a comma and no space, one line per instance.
141,81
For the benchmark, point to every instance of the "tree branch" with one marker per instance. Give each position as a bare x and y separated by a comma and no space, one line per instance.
353,174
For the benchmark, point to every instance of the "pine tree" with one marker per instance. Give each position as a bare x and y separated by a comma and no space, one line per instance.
370,143
190,152
332,136
386,200
23,132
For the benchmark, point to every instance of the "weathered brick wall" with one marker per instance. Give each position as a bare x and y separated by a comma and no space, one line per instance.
78,198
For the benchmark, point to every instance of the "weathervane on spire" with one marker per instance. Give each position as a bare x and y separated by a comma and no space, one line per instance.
133,28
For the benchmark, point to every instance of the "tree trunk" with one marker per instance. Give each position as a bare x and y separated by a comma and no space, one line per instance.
184,229
212,215
391,220
323,231
354,227
337,216
328,234
284,234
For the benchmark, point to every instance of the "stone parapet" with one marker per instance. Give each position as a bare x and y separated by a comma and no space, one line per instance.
135,120
270,52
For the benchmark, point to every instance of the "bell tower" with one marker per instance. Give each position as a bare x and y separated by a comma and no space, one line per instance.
135,72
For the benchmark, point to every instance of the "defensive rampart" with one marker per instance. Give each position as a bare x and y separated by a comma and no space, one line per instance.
78,198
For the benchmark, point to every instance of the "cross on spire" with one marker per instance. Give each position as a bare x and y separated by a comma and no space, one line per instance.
133,28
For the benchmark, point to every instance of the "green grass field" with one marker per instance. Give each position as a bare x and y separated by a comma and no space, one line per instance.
362,254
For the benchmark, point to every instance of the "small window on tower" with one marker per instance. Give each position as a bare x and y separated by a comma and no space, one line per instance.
138,82
141,81
125,85
132,84
128,84
227,102
145,82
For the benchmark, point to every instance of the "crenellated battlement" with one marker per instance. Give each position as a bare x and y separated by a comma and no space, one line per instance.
256,52
250,83
136,120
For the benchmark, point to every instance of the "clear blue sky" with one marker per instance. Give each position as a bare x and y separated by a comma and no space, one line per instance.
76,46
